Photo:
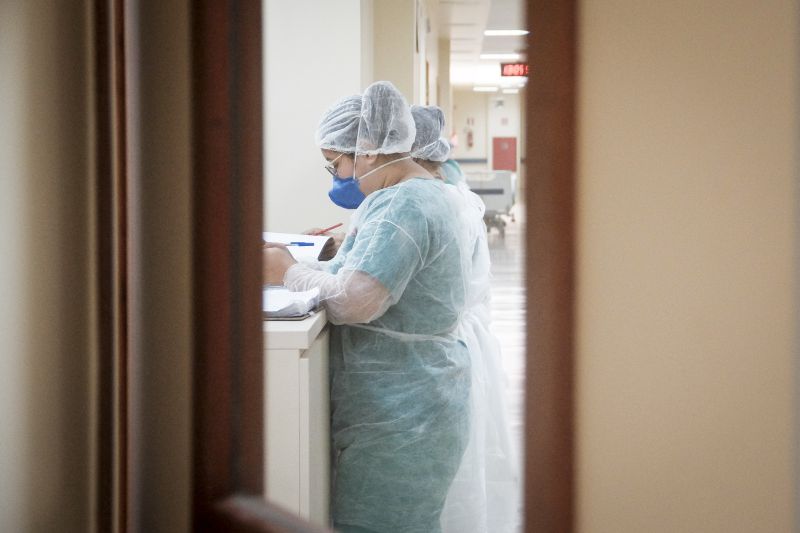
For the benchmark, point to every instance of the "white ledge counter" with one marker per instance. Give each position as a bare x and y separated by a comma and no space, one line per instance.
297,429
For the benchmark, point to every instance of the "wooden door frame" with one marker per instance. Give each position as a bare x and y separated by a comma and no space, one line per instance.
228,208
111,248
550,266
228,405
228,199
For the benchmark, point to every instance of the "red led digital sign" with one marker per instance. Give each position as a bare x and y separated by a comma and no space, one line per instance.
513,69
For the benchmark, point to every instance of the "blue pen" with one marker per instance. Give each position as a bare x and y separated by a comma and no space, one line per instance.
298,243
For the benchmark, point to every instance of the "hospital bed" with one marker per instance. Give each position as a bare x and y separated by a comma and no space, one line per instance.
497,190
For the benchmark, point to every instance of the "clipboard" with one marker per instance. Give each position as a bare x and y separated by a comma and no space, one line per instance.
279,303
291,318
303,247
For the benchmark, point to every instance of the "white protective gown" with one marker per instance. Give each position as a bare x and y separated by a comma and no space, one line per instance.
485,496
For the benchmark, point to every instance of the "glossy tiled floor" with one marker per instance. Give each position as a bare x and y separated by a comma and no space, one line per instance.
508,311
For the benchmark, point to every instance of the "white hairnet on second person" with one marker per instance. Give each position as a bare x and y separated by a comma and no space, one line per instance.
429,144
376,122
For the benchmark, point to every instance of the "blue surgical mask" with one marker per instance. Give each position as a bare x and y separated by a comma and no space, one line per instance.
345,192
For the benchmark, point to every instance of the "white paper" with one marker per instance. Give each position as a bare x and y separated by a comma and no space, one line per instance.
300,253
280,302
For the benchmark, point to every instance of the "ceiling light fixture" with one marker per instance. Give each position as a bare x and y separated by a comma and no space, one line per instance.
513,81
512,57
505,33
485,89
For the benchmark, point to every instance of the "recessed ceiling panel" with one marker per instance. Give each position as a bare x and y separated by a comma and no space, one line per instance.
464,21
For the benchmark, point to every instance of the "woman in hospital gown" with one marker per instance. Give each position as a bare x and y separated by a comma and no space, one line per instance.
396,290
485,495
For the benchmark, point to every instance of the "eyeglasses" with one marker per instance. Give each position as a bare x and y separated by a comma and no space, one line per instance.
330,167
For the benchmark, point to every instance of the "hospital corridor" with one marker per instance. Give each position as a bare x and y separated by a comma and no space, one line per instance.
399,266
508,312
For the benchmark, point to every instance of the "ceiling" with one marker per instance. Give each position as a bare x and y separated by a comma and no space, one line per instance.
464,21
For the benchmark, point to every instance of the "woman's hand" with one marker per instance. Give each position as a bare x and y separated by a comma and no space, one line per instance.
277,261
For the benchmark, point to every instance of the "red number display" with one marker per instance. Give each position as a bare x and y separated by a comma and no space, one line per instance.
513,69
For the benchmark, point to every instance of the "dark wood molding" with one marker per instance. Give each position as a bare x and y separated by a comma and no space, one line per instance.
550,267
111,206
228,414
239,514
104,207
121,364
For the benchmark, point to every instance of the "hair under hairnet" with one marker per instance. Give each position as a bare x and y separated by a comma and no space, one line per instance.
429,144
377,122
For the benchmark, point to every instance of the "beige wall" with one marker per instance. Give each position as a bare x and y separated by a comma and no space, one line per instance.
444,89
469,105
367,16
492,115
395,53
379,44
297,94
44,267
503,120
688,121
429,68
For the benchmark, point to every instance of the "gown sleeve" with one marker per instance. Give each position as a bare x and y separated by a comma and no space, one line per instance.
388,249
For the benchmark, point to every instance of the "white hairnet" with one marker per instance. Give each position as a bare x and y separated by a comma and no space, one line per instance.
429,144
338,128
377,122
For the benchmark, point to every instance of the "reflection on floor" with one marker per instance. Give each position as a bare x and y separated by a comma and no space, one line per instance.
508,311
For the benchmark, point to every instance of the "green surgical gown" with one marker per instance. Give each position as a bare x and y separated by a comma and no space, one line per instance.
400,384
